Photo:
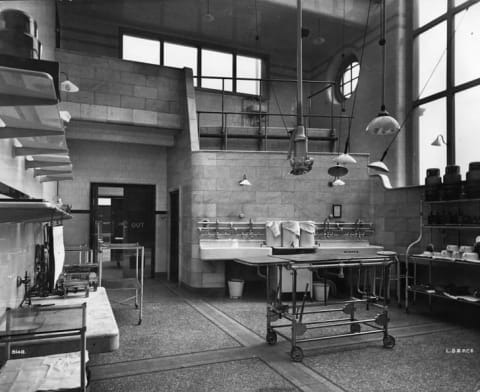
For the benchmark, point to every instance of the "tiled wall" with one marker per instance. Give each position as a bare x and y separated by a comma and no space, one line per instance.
114,90
397,216
114,163
275,194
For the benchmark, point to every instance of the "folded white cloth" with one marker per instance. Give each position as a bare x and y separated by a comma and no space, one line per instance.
308,226
292,226
274,227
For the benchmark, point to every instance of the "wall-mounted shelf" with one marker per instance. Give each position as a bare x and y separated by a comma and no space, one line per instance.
453,227
452,201
22,211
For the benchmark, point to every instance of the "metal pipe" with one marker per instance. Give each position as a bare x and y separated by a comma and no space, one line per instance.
335,323
299,65
337,336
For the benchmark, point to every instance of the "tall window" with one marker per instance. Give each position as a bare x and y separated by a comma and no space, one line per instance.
446,42
212,69
141,49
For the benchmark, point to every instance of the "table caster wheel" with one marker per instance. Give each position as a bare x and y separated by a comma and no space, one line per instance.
139,322
296,354
388,341
355,328
271,337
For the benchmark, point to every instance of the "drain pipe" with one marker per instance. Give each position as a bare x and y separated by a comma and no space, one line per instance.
300,162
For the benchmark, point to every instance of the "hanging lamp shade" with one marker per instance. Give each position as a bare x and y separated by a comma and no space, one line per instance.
337,171
383,124
338,182
378,165
344,159
439,140
244,181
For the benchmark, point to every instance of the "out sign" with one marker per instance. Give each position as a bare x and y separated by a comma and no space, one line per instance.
137,225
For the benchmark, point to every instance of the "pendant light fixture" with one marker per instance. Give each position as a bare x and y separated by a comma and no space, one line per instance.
208,17
439,140
345,157
383,124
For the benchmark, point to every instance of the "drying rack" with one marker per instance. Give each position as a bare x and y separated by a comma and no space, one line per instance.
135,283
294,312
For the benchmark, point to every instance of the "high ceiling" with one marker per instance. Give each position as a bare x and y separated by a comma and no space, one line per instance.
236,23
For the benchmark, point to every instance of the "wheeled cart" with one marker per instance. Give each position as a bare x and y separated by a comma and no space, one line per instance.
294,312
135,283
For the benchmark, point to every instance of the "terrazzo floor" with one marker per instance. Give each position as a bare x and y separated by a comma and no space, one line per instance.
187,343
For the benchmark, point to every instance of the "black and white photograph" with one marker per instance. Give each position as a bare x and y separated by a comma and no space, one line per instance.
239,196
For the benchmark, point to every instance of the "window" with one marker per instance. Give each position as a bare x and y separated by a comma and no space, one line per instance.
432,121
141,49
180,56
347,78
214,69
447,91
251,68
432,61
218,64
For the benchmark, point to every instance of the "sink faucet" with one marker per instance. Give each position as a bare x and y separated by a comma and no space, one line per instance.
326,226
250,228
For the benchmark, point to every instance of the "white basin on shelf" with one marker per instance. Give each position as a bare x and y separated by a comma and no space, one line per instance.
229,249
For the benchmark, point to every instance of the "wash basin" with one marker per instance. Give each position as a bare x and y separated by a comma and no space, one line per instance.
229,249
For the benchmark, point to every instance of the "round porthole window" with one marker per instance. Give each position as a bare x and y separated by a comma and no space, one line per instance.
347,78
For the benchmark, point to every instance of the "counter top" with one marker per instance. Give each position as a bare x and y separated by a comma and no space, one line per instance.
102,331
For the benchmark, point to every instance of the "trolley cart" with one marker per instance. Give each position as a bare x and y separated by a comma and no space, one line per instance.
294,312
128,283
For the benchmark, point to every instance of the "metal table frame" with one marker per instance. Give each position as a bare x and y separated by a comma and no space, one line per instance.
9,337
129,283
293,313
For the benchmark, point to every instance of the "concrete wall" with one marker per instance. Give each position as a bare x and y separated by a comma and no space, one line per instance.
114,163
120,91
115,94
275,194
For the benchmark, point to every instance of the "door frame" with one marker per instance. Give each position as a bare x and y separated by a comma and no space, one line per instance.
94,192
179,234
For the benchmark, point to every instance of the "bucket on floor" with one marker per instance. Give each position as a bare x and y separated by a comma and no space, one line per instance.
319,290
235,288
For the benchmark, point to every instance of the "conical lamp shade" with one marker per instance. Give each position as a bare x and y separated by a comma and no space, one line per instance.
383,124
439,140
244,181
338,182
337,171
378,165
69,87
344,159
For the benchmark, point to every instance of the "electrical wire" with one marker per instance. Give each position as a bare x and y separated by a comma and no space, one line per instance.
365,32
424,86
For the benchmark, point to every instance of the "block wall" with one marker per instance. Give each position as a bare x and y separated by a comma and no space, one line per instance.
114,163
274,194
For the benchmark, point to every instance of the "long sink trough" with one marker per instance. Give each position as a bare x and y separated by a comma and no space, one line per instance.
229,249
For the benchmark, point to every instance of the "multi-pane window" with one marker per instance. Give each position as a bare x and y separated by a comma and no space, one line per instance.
447,82
349,79
212,69
141,49
219,64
